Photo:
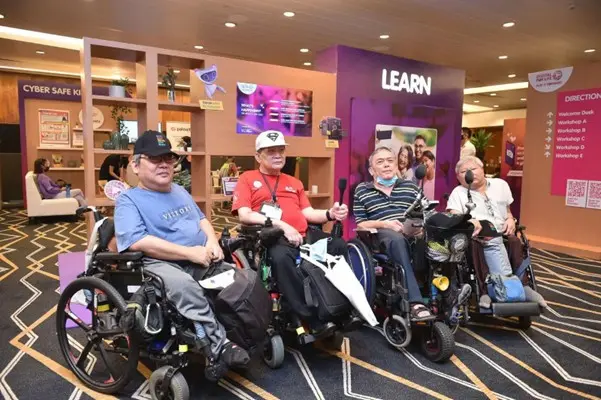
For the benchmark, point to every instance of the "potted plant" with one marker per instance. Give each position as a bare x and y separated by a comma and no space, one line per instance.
119,87
168,79
481,140
120,137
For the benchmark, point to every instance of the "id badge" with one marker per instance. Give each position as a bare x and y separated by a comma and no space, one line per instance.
271,211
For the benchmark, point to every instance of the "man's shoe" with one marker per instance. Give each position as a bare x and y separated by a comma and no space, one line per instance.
215,370
534,296
323,329
485,301
353,323
464,294
234,356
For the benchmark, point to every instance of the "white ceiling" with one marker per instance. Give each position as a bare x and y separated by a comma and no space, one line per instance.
466,34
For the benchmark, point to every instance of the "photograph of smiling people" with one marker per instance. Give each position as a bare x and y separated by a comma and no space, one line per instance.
413,146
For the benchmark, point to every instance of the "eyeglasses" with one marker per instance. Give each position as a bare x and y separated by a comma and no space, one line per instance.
166,158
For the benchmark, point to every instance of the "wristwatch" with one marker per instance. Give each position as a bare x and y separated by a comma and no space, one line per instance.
328,216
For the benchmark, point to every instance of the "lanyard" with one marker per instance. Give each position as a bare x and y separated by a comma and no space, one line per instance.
275,188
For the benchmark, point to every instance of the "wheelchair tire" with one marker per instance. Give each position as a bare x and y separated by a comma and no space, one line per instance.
240,259
274,352
397,331
178,387
114,298
438,345
363,266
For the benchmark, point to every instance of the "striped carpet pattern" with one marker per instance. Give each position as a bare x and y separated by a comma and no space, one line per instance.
558,358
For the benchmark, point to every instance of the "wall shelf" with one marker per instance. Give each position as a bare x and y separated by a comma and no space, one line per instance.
109,100
185,107
104,151
103,130
57,149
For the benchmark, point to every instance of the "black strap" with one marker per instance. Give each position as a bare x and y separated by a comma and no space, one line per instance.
150,293
308,295
275,188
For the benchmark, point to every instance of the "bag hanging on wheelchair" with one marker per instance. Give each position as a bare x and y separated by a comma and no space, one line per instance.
505,289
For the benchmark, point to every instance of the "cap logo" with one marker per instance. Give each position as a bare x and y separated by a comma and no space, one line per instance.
273,136
161,140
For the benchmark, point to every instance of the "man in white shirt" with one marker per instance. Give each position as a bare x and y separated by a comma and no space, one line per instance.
467,147
492,198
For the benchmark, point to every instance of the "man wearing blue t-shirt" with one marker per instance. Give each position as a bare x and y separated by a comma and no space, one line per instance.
160,219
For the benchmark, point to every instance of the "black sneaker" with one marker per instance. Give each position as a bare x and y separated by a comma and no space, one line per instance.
319,329
234,356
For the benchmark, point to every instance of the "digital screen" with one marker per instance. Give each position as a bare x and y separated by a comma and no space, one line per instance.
261,108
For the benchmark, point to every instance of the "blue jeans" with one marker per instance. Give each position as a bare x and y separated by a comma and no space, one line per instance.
397,248
496,257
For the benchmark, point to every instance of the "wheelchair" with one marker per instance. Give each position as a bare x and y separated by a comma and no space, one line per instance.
385,287
116,305
249,250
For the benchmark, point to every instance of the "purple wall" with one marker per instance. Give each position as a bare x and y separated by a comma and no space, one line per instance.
361,103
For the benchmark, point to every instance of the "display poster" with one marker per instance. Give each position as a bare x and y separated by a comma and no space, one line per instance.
416,146
55,130
261,107
593,195
228,185
97,118
512,161
176,131
576,193
77,138
577,138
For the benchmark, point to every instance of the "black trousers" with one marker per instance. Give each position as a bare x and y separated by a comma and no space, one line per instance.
283,260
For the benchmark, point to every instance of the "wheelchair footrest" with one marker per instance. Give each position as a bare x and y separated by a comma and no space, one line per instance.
522,309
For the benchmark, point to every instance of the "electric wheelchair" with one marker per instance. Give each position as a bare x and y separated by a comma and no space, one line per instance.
249,250
124,314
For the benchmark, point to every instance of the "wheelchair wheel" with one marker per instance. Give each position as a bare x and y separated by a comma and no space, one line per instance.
240,259
397,331
438,345
363,267
178,387
274,352
111,368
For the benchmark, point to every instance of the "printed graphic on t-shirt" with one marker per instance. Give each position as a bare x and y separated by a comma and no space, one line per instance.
177,212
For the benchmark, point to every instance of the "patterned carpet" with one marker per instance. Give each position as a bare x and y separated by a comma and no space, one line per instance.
558,358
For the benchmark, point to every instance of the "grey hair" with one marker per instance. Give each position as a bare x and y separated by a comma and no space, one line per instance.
136,159
473,159
379,149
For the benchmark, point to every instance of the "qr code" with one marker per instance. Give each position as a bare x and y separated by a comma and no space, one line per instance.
594,190
576,188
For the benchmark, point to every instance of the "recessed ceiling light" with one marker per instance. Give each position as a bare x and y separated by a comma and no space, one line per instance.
589,50
476,101
230,24
496,106
508,24
199,47
289,14
307,64
1,16
384,36
523,99
40,52
493,94
177,71
304,50
511,76
503,57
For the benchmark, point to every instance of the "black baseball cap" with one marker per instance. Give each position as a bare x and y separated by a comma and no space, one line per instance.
153,143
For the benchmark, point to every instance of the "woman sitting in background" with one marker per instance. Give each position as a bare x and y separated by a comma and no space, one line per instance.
51,190
405,161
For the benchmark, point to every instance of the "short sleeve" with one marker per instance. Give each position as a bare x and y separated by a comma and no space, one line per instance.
242,195
454,203
303,199
507,192
358,207
129,226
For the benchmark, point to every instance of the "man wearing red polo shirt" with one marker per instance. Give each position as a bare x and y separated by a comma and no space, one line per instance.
267,192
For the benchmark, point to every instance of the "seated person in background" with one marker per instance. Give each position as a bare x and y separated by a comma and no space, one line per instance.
160,219
380,205
467,147
113,168
51,190
492,198
229,168
267,191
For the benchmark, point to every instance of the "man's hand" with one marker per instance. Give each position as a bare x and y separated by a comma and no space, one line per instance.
339,212
509,226
200,255
395,225
291,234
215,250
477,227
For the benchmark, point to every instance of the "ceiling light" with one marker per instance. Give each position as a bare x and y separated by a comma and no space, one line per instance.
304,50
289,14
1,16
496,88
493,94
384,36
496,106
589,50
177,71
307,64
523,99
476,101
508,24
199,47
39,52
511,76
503,57
230,24
470,108
40,38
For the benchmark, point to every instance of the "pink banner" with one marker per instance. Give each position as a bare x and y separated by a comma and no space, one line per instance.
577,138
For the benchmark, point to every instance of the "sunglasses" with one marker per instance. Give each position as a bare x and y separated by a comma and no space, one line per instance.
166,158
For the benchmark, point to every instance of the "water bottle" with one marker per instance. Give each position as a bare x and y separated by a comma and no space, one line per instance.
68,190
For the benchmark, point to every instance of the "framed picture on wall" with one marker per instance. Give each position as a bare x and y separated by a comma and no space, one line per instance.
54,128
77,138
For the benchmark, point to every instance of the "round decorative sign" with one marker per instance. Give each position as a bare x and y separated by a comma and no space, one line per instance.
97,118
113,189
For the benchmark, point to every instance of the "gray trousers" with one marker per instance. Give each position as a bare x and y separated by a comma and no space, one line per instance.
77,194
188,297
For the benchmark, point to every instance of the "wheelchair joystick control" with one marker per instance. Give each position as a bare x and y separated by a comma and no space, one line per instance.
337,229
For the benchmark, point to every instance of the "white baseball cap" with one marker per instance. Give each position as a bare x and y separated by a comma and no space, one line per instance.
270,138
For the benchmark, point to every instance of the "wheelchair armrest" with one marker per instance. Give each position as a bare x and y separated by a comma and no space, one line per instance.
250,229
370,238
127,256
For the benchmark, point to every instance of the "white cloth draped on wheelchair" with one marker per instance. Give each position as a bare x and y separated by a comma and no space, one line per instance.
340,274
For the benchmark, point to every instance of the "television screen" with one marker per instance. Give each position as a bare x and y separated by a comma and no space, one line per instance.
131,128
261,107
